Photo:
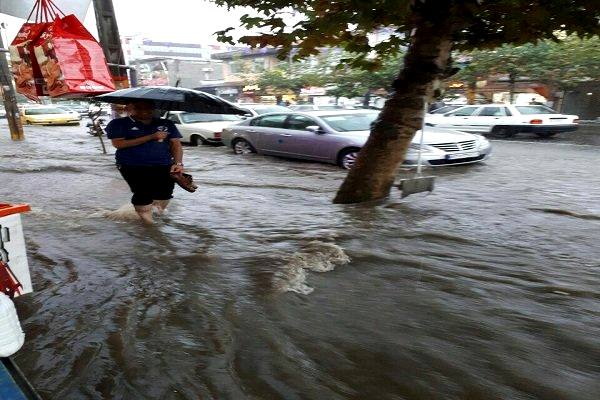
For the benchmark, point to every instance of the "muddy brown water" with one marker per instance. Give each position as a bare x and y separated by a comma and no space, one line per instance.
257,287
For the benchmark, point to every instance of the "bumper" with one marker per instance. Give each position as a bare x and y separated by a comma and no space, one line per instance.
450,158
547,128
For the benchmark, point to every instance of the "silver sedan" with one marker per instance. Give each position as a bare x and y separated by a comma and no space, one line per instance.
336,137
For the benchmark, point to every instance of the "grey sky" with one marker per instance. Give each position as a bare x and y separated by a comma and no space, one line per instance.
190,21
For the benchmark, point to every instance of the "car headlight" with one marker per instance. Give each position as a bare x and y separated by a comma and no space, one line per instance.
482,142
416,147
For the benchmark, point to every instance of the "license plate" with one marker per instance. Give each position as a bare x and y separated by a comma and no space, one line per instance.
455,156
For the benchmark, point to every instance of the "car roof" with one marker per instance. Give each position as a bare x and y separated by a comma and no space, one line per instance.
320,113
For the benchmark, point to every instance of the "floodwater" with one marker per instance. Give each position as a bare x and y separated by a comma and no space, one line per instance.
257,287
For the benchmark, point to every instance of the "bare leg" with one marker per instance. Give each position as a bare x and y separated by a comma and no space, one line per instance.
161,206
145,213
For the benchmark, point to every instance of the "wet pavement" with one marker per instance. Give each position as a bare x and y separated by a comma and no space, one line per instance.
257,287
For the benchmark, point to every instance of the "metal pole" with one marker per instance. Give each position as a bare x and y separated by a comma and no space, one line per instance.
10,97
108,32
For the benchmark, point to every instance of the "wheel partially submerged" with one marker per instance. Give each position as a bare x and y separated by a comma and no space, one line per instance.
242,146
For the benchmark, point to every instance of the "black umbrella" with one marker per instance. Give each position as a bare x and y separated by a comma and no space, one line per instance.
170,98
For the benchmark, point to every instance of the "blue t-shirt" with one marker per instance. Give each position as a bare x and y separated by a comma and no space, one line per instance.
150,153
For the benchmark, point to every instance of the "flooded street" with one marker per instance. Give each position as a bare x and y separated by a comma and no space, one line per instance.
257,287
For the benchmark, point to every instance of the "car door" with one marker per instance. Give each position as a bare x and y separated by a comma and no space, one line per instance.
460,119
267,131
487,117
299,142
185,132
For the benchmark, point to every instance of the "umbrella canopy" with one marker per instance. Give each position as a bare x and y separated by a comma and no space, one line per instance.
169,98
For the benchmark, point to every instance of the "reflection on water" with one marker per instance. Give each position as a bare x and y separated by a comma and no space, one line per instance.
257,287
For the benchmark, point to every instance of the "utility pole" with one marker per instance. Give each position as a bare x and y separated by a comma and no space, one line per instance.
108,32
8,93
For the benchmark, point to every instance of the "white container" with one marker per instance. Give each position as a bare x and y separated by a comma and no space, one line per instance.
12,336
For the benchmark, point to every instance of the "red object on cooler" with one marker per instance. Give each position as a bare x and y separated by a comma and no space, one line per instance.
8,209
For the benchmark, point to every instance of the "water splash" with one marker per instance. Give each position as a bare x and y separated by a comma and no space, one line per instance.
316,256
124,213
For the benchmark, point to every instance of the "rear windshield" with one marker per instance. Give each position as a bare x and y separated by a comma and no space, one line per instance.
535,110
350,122
41,111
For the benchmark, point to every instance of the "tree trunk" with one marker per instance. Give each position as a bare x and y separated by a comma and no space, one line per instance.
471,93
427,59
512,79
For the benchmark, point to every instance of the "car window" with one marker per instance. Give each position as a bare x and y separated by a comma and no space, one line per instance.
329,108
492,112
350,122
42,111
270,109
174,118
463,112
444,109
300,122
303,108
190,118
270,121
535,110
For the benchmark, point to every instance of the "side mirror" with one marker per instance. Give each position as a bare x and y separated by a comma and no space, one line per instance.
315,129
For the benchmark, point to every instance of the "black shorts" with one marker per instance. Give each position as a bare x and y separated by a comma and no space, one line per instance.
148,183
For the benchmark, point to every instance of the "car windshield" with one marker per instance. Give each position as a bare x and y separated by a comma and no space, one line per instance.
330,108
535,110
190,118
270,109
444,109
42,111
350,122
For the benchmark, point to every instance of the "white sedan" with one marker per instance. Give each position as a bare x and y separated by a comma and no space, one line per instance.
505,120
202,128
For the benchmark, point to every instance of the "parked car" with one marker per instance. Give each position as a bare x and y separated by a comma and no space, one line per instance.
48,115
315,107
202,128
505,120
336,137
259,109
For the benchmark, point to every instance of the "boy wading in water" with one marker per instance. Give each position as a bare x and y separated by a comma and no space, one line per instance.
148,151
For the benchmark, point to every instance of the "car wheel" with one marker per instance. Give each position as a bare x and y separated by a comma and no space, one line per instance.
241,146
504,131
195,140
347,158
545,135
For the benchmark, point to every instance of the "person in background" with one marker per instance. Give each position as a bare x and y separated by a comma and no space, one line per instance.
148,151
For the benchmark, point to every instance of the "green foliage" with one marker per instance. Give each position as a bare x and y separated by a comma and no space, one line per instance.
348,23
327,69
561,63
